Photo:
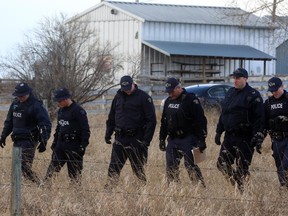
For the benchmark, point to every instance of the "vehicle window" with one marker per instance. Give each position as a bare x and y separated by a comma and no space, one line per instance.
197,91
217,92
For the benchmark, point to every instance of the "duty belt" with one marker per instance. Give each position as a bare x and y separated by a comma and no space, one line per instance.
179,133
68,137
238,133
21,137
127,132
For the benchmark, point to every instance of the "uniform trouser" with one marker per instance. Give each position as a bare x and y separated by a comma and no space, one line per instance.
74,162
178,148
132,150
280,155
28,152
235,149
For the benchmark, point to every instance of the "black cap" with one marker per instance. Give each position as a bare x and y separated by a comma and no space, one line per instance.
240,72
126,83
274,84
21,89
170,84
61,94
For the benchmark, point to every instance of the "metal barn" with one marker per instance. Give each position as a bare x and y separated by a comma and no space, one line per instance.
282,56
194,43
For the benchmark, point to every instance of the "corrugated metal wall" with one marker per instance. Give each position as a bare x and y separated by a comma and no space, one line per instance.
124,31
257,38
127,32
282,58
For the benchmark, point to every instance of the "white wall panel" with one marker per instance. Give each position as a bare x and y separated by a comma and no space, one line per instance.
119,29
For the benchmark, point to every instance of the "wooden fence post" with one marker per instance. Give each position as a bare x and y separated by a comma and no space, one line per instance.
16,181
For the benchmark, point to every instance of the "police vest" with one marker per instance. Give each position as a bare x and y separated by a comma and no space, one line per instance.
278,113
176,118
23,116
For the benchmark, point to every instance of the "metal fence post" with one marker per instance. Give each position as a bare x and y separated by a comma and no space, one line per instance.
16,181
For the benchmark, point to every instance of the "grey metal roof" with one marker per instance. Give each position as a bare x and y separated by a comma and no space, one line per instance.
191,14
209,50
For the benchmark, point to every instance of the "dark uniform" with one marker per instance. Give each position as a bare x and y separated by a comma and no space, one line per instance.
30,124
276,123
185,124
132,118
70,139
241,115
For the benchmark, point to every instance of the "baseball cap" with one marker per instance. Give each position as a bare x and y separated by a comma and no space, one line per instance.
61,94
274,84
240,72
126,83
21,89
170,84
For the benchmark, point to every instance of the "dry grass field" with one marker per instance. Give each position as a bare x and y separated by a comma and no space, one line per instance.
261,195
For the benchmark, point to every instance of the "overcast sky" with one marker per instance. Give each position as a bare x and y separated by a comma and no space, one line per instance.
19,16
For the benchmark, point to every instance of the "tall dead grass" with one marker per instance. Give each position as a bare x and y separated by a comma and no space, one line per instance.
261,195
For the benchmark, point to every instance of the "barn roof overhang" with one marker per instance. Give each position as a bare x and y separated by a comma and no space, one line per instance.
226,51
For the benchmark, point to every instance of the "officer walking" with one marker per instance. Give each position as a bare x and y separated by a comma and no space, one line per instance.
185,124
276,123
71,137
242,111
132,118
29,123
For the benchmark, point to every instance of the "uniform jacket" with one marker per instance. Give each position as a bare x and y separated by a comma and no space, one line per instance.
73,121
277,109
185,113
241,107
135,111
27,119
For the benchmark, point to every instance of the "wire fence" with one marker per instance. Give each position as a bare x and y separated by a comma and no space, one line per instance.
92,166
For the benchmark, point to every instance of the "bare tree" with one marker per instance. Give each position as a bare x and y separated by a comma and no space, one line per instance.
64,54
274,11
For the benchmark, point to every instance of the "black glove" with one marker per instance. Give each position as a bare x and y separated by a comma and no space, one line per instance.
162,145
108,140
258,148
2,141
218,139
257,141
42,146
202,145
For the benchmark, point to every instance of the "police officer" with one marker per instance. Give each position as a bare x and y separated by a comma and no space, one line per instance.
242,110
185,124
29,123
133,120
71,137
276,123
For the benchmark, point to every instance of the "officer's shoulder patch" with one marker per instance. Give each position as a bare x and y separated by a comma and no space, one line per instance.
196,101
82,112
258,100
149,99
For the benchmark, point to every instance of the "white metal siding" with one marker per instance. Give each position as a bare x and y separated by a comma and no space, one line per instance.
118,29
257,38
